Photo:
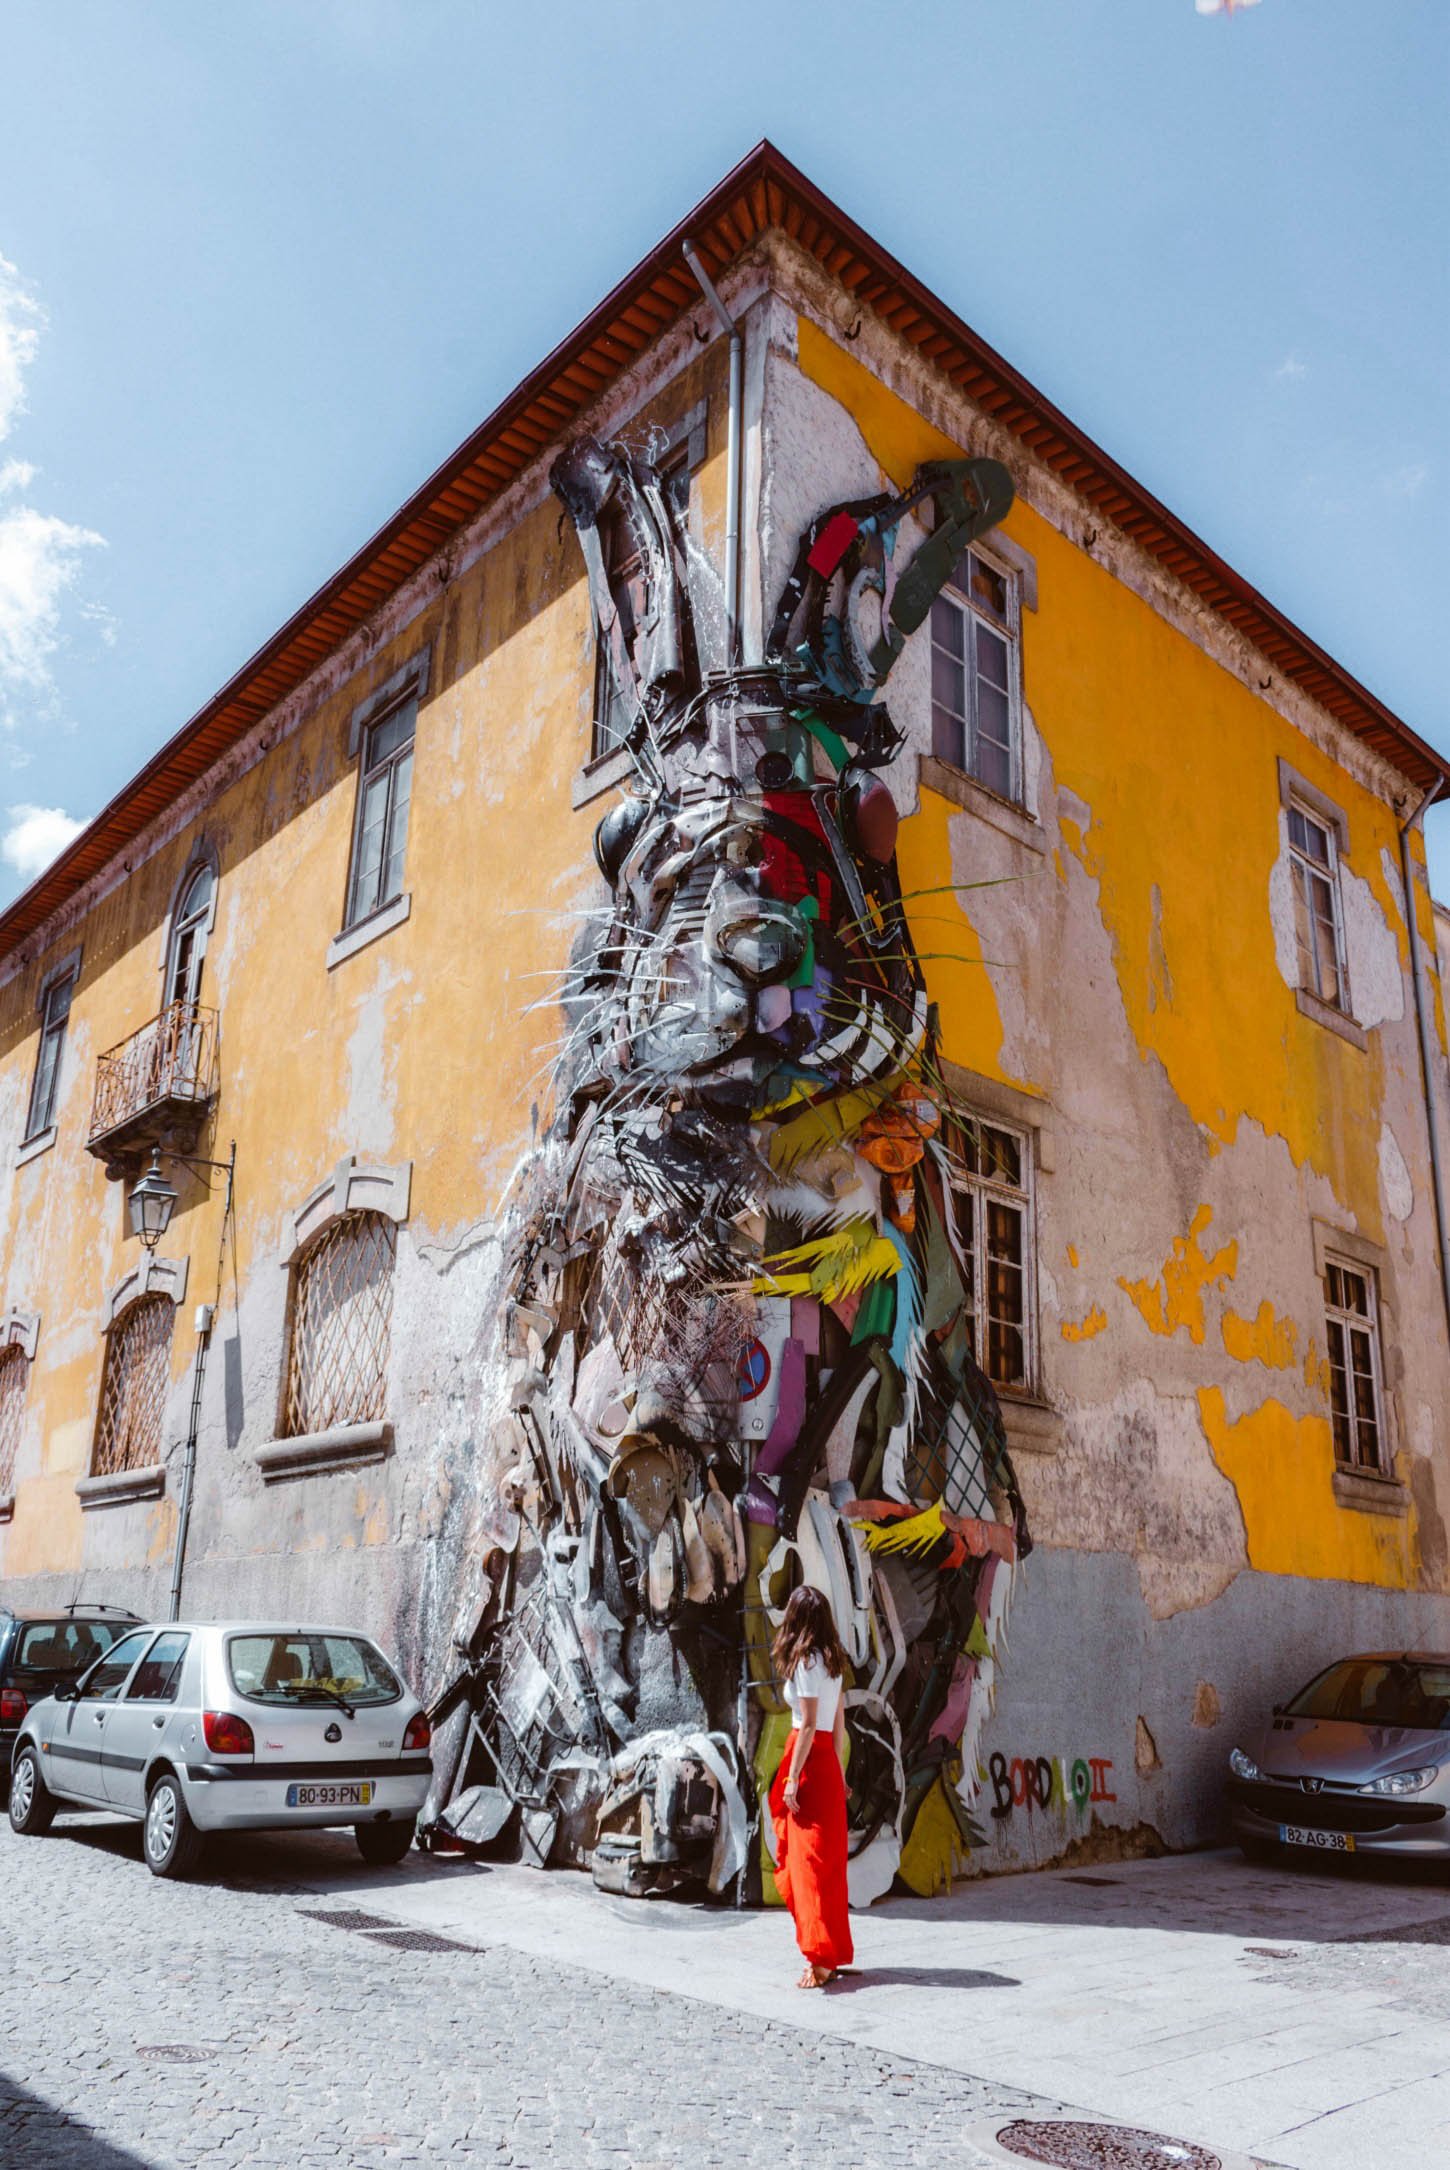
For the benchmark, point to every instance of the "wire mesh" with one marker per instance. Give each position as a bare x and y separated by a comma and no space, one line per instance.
342,1310
133,1388
13,1367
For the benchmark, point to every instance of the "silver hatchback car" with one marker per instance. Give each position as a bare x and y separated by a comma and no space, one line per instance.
233,1727
1356,1763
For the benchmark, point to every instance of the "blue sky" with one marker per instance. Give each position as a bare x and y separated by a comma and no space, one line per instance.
266,264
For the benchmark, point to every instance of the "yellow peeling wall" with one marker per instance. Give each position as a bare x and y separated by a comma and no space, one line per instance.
1116,971
430,1046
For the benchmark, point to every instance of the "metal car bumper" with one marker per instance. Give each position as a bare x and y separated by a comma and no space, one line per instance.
1377,1825
223,1798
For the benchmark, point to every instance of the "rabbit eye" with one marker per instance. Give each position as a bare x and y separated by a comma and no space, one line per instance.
616,834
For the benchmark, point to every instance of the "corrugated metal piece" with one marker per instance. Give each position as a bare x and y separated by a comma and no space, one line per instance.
764,191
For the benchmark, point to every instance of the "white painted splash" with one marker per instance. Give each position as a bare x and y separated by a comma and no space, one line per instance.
1396,1186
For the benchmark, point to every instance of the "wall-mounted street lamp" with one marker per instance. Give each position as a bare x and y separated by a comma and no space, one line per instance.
153,1201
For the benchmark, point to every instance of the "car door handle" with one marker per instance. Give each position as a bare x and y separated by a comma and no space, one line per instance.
158,1723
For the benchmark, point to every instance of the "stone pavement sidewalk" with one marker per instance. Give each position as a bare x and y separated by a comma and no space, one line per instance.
1294,2017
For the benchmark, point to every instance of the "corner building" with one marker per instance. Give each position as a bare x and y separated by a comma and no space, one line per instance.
1155,845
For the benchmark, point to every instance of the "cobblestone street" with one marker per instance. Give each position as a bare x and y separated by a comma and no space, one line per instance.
228,2022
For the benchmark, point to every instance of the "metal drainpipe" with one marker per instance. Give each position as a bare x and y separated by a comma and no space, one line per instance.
205,1317
1428,1051
733,452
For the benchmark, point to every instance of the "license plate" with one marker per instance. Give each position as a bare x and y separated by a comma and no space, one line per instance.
1330,1842
355,1796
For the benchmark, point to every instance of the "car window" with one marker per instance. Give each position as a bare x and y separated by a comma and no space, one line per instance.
105,1681
158,1676
307,1668
1379,1691
64,1646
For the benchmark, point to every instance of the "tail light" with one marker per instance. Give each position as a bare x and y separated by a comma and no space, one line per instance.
226,1734
13,1706
419,1732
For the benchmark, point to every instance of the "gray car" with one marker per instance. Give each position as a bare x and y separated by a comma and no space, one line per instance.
1358,1762
236,1726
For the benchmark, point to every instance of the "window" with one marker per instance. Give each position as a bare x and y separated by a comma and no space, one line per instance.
65,1646
14,1367
55,1003
105,1682
189,929
380,836
306,1668
1352,1326
974,676
627,570
990,1180
133,1387
158,1677
342,1308
1380,1691
1318,932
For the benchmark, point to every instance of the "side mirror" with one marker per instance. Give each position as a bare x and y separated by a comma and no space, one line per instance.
67,1692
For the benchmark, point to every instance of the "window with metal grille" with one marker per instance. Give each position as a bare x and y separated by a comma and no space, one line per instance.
1355,1399
342,1309
133,1387
14,1369
380,833
55,1003
1318,925
991,1183
975,698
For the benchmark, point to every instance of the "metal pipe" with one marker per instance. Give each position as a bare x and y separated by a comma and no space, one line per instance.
1428,1052
733,452
205,1316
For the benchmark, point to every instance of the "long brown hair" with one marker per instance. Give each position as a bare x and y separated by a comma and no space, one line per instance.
807,1631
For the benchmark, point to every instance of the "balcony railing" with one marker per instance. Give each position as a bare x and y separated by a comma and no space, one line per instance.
156,1087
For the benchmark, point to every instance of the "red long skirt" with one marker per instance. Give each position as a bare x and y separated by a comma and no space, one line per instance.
810,1854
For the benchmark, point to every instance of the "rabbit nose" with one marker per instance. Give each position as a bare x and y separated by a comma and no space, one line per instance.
760,942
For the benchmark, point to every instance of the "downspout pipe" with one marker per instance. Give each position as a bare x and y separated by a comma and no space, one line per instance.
1429,1053
733,451
205,1315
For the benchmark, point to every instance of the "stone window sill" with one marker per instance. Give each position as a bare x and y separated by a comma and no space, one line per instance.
7,1507
371,929
963,790
1369,1492
121,1487
34,1147
1324,1013
602,774
1033,1427
312,1454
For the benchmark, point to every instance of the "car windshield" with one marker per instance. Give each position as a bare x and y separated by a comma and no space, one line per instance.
65,1646
1380,1691
310,1668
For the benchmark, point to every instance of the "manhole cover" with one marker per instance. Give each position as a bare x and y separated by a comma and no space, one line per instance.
1071,2146
347,1918
419,1940
174,2053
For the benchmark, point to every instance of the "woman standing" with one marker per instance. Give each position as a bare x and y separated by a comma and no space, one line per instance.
808,1798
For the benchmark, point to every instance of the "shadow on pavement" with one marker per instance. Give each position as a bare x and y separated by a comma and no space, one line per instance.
34,2135
921,1978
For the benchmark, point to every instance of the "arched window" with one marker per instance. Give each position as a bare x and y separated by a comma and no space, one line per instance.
14,1365
190,925
342,1310
133,1387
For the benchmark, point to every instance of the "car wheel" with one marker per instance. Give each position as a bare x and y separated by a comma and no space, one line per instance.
32,1804
170,1840
383,1845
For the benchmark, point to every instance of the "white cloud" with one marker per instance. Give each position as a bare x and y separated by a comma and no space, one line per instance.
22,320
41,555
1291,369
34,836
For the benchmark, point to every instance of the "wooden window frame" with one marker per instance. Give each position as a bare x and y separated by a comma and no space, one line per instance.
1366,1323
979,1190
954,596
40,1122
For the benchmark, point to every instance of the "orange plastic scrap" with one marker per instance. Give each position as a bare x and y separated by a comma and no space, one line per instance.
893,1138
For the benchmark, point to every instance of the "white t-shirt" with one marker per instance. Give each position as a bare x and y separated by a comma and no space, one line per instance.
811,1678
